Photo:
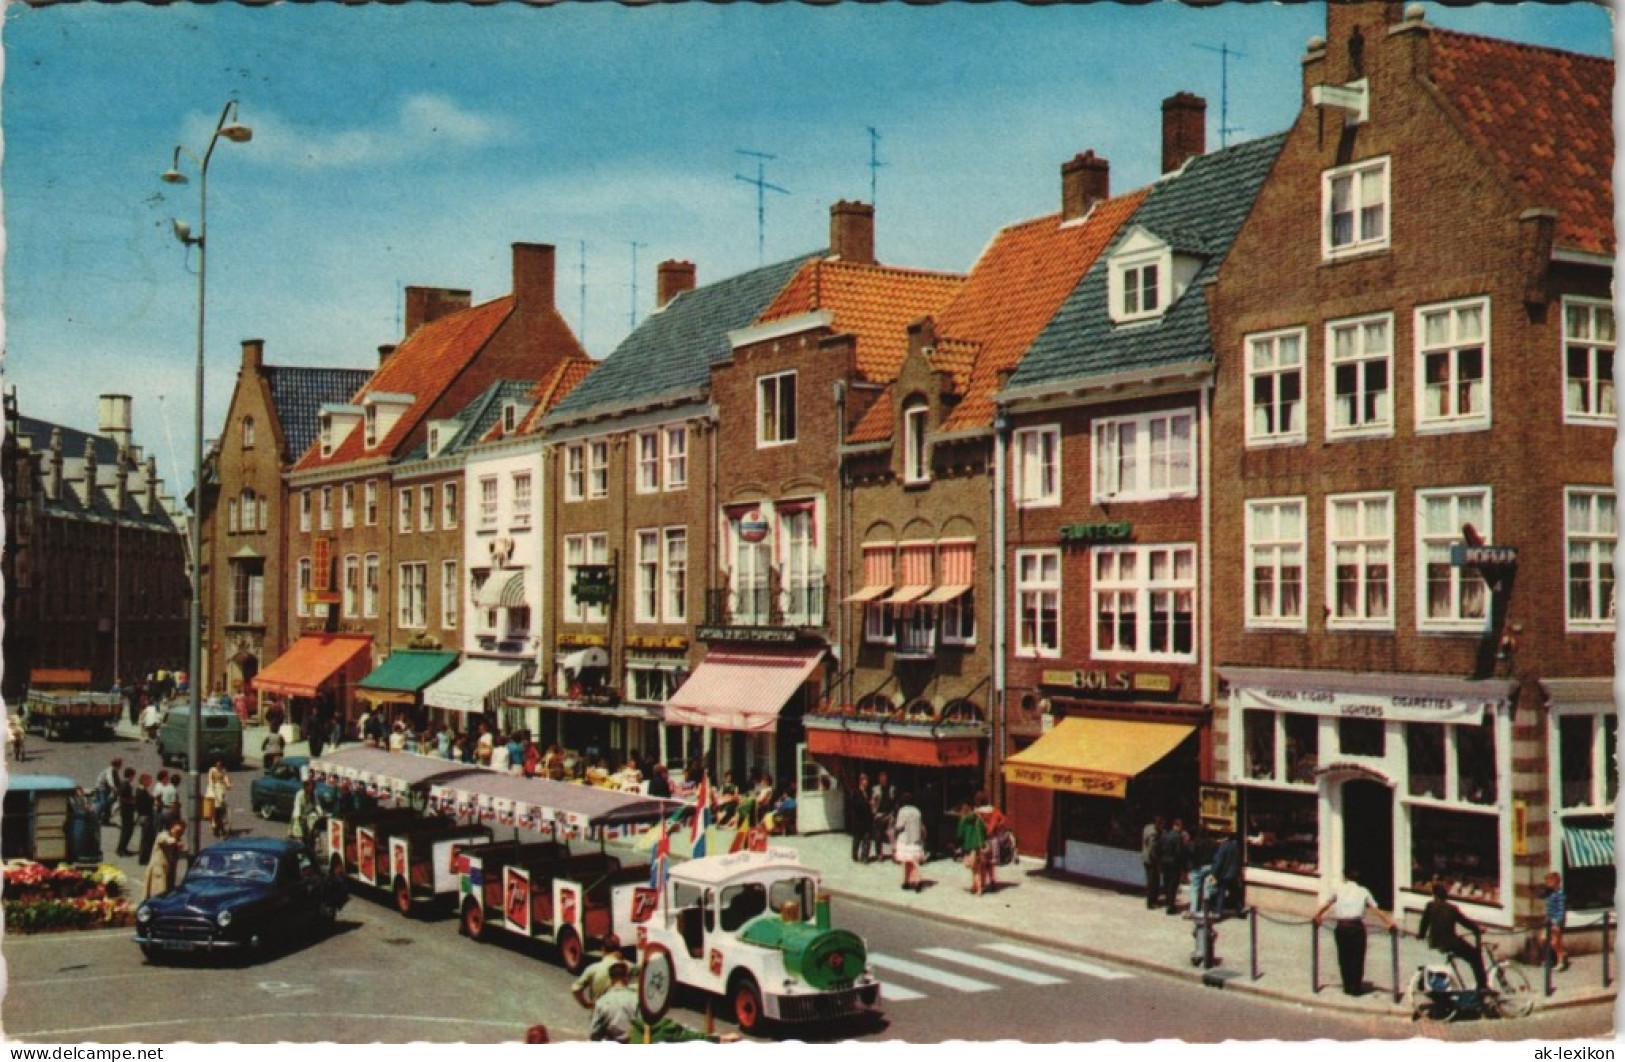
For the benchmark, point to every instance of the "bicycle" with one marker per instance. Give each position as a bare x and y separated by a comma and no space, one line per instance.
1437,992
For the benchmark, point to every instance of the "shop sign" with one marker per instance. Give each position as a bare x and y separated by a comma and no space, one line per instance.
1464,556
1217,805
1520,827
656,641
1114,531
582,641
1353,704
752,526
594,585
1090,680
757,635
1066,780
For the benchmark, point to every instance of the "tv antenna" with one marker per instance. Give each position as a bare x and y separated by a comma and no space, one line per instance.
874,163
581,321
762,188
1224,52
632,318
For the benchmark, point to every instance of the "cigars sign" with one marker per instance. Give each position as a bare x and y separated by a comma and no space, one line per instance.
1354,704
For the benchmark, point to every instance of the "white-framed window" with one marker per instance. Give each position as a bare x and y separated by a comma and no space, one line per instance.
327,508
598,468
575,472
749,565
324,432
449,594
510,417
675,563
1588,360
489,507
1359,376
1453,366
352,586
448,506
1591,529
650,684
247,591
1275,387
916,458
1360,561
1354,210
878,628
412,595
676,457
1450,598
1276,547
302,585
1036,479
1588,775
582,550
956,566
646,593
233,515
304,510
1038,602
801,565
1142,291
1145,602
248,433
371,576
648,462
369,507
369,414
776,409
1145,457
521,499
403,502
959,620
426,508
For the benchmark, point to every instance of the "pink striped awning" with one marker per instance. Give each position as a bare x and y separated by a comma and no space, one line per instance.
956,563
742,689
878,558
916,574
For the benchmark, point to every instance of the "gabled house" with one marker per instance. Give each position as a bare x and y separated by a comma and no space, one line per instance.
1414,511
1105,520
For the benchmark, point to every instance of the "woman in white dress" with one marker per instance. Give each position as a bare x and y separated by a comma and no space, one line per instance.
908,841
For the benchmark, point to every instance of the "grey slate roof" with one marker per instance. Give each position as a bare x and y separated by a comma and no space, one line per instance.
1197,211
476,418
298,393
81,500
671,351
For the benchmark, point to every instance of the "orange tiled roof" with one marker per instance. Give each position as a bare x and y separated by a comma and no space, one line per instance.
954,356
551,391
875,303
423,366
1546,116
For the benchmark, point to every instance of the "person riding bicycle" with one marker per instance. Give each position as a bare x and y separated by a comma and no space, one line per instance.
1439,921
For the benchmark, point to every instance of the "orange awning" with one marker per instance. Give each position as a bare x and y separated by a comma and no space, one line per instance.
917,750
741,689
312,661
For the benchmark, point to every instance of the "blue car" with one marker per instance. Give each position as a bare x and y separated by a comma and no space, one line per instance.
244,895
271,795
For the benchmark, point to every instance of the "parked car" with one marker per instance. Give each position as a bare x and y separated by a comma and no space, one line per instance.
221,737
271,794
240,895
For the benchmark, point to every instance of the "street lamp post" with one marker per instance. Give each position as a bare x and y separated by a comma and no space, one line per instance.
229,129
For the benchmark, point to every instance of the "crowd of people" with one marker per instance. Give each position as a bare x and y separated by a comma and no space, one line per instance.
891,824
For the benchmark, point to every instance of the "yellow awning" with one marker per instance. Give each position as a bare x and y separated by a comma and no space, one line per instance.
1093,756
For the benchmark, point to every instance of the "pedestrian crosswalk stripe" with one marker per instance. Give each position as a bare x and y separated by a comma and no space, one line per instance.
897,993
1061,962
993,966
927,973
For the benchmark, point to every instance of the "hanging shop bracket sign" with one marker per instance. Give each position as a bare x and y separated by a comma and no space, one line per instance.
594,584
1217,807
1113,531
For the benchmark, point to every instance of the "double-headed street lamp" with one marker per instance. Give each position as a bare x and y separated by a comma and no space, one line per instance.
226,128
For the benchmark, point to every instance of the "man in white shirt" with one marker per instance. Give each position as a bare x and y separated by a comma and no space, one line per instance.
1348,905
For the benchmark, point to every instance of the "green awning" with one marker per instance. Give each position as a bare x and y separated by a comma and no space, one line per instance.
1588,846
407,671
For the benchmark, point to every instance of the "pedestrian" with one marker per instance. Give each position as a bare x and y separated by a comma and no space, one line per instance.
498,759
1557,915
1148,856
908,843
998,830
134,701
1439,921
883,803
443,743
146,815
271,748
275,716
533,759
595,979
107,790
1227,873
166,860
125,795
304,824
239,705
860,814
615,1010
19,736
660,782
970,839
150,719
316,734
219,785
516,753
1348,904
1173,854
167,796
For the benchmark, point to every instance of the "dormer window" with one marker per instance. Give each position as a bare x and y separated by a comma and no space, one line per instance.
510,417
434,441
916,463
1140,290
370,414
1146,277
325,428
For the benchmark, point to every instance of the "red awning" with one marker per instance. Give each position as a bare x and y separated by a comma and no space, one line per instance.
313,660
917,749
741,689
956,564
877,573
916,573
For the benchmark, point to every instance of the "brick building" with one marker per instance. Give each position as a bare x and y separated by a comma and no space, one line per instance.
795,382
1106,520
1415,340
270,422
630,475
917,698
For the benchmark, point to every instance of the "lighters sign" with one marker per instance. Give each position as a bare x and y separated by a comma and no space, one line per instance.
1355,704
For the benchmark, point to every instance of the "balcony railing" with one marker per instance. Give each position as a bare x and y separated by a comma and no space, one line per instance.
769,601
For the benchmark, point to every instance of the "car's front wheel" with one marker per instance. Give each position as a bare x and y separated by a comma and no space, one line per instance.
747,1001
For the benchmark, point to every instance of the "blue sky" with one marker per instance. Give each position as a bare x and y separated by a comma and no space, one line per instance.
412,144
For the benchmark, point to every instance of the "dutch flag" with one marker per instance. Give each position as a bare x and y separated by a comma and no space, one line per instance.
702,820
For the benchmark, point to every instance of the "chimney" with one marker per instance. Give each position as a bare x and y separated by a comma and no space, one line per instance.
90,465
384,351
533,277
53,467
1085,181
253,355
852,232
1184,129
430,304
672,278
113,418
151,498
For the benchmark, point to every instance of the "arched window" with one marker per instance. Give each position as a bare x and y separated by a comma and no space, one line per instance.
248,433
916,460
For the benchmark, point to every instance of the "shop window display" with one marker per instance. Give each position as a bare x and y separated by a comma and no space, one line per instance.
1099,820
1283,832
1302,747
1475,762
1361,737
1424,746
1258,731
1462,849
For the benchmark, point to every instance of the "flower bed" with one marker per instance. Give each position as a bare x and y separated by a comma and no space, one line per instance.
41,899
